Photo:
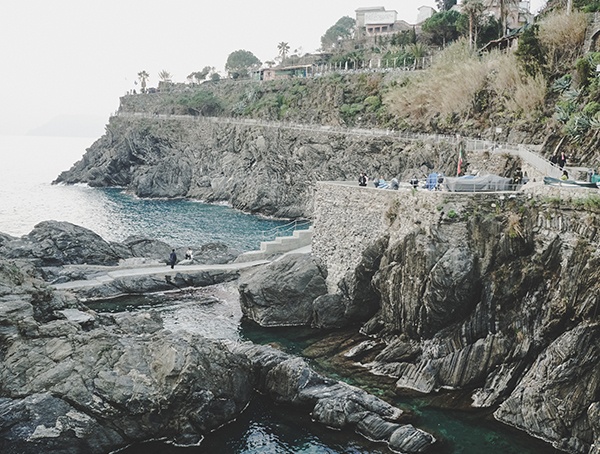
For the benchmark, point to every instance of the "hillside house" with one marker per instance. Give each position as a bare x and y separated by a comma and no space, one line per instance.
376,20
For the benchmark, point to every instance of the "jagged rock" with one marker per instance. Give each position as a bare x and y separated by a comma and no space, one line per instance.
552,402
282,293
43,423
400,349
409,439
149,248
329,311
58,243
335,404
98,382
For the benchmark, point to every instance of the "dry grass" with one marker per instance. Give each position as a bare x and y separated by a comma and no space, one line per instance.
562,36
447,87
521,94
451,86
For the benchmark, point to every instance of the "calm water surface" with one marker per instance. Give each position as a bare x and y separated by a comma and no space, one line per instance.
29,164
27,197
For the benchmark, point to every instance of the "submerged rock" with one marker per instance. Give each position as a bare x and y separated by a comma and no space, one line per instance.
290,380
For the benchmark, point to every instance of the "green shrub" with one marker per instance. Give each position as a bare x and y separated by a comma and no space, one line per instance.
372,103
563,84
591,108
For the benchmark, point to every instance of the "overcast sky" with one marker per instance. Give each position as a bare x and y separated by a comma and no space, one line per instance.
77,57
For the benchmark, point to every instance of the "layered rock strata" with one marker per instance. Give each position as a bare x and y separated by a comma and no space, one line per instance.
269,168
493,294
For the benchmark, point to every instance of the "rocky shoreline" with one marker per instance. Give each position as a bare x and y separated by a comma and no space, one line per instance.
73,380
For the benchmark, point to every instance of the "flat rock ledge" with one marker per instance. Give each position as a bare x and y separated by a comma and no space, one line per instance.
288,379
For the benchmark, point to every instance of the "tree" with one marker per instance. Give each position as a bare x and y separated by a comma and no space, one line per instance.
442,27
445,5
342,29
240,62
143,76
530,53
283,48
473,9
165,76
418,51
200,76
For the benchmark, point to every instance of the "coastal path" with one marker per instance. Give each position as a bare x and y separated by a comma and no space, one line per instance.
102,276
528,153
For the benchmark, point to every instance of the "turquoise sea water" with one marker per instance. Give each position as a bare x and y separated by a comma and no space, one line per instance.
27,197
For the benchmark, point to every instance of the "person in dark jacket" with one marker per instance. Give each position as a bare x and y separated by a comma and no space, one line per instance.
562,160
172,259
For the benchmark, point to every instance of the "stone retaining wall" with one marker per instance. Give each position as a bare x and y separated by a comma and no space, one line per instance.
348,218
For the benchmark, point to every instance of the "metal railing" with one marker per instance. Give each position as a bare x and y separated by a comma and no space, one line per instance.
285,229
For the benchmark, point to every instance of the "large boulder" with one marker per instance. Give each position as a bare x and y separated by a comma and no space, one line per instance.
282,293
58,243
95,383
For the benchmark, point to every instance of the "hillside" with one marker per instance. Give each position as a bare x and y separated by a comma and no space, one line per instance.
543,91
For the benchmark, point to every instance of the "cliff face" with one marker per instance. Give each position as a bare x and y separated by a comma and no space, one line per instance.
266,168
497,296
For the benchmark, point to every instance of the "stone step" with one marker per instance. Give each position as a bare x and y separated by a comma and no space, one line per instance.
280,245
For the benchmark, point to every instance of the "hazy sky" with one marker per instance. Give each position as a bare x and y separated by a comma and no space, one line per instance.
77,57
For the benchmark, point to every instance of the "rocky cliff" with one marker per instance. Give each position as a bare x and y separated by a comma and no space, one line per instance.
492,295
75,381
270,168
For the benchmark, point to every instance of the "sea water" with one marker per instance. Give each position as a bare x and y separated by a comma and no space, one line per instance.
27,197
30,164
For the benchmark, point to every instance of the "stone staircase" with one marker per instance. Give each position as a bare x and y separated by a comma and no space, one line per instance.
280,245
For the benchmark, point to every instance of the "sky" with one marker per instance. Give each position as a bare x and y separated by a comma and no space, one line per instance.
77,57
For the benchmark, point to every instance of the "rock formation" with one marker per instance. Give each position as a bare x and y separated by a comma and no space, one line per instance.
94,383
73,381
270,169
289,380
491,295
286,301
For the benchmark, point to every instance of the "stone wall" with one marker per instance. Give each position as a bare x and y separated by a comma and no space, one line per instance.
348,218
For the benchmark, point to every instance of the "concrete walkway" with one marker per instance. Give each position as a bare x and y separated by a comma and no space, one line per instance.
109,274
117,272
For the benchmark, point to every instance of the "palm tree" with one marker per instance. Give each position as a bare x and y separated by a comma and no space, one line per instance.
473,9
143,76
284,48
418,52
165,76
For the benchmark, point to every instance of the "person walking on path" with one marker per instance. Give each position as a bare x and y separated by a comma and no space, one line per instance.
562,160
172,258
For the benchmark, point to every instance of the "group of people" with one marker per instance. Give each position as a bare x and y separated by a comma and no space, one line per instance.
189,255
559,159
379,183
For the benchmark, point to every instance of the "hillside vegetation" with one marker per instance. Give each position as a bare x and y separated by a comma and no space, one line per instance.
544,91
